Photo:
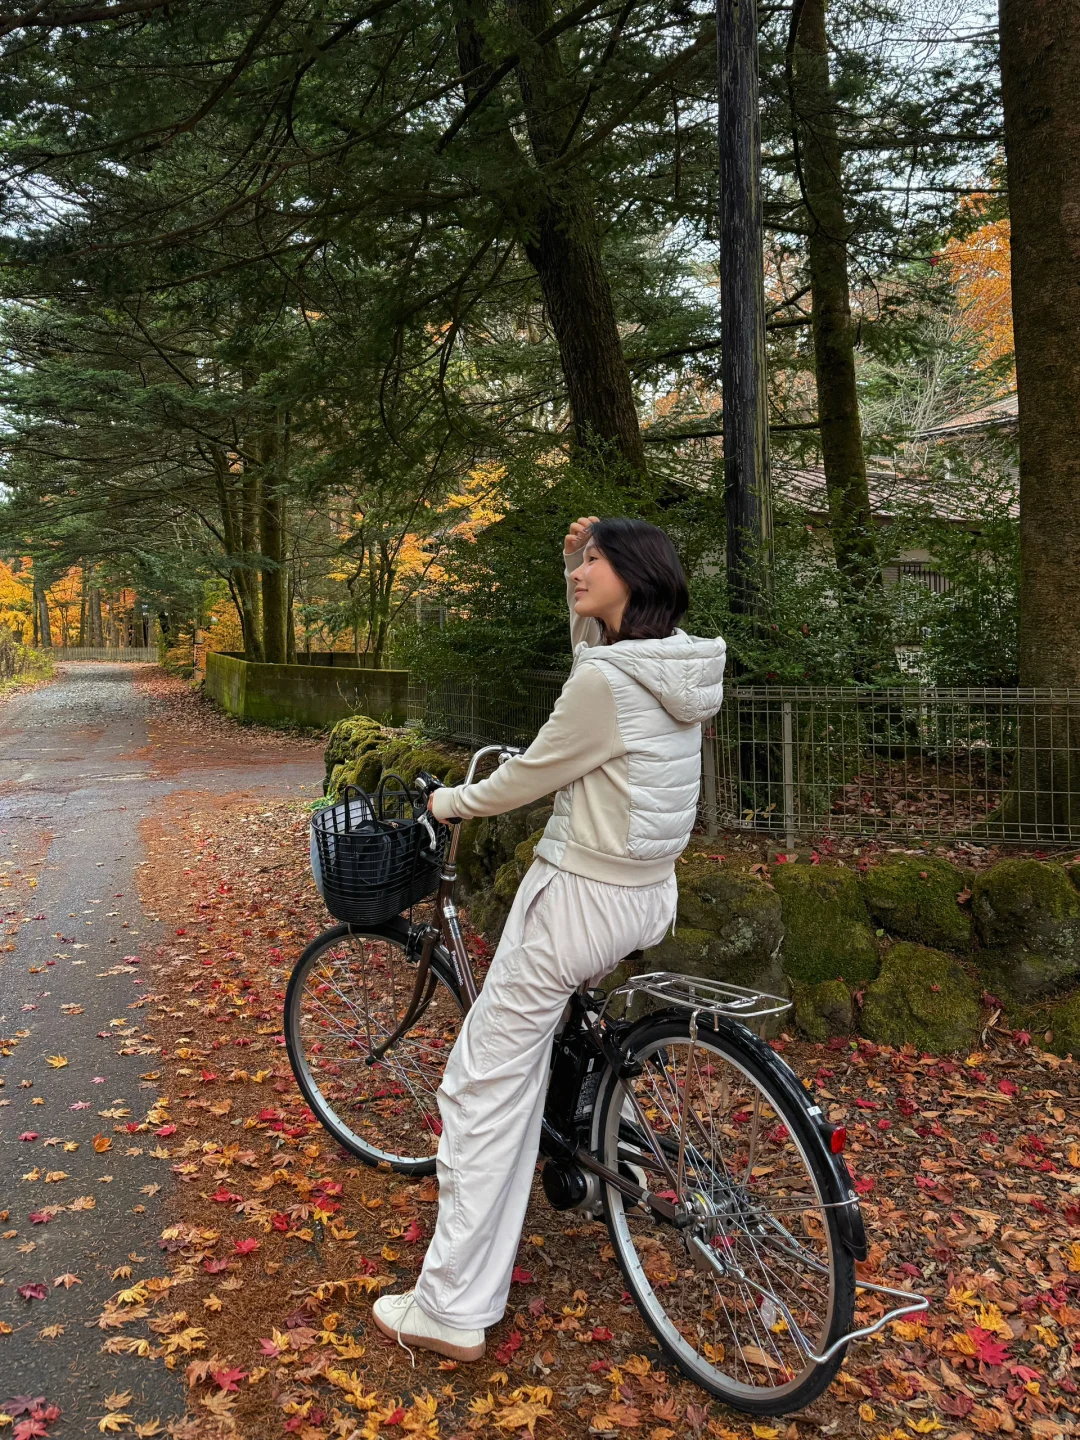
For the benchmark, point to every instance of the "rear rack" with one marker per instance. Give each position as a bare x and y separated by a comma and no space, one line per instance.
703,997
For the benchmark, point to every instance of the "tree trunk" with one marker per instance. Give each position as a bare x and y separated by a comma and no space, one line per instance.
562,242
744,375
84,587
272,545
851,520
237,502
290,626
1040,84
41,613
97,630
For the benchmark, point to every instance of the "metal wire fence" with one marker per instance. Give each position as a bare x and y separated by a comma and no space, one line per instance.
910,763
472,711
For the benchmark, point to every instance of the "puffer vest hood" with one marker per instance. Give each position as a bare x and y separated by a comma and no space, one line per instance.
684,672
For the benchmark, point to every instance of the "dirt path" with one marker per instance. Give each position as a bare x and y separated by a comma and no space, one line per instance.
82,763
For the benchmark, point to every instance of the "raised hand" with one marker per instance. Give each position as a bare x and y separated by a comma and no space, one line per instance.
578,534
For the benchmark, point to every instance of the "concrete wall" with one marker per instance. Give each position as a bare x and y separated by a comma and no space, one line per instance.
305,694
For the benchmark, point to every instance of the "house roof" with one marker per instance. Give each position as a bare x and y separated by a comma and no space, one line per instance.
892,492
997,414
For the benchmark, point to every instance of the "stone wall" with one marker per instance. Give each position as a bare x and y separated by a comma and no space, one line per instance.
913,951
308,695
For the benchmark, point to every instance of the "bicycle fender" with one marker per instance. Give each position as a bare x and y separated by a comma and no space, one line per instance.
841,1196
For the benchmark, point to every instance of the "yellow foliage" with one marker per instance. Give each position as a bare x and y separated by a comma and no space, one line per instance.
979,268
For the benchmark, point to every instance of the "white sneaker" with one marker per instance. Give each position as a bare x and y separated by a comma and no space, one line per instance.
401,1317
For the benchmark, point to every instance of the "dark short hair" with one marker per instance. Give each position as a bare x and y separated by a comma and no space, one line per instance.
644,559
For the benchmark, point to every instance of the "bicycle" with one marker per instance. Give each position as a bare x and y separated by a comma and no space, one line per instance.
726,1197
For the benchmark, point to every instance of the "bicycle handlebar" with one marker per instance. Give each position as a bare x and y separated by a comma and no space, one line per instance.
427,783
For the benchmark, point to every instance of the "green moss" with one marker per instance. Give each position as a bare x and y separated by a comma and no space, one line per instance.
914,898
824,1010
922,997
1060,1020
507,881
404,755
363,771
1027,914
350,738
826,932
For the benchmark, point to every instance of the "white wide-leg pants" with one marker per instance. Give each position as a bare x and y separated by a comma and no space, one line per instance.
562,931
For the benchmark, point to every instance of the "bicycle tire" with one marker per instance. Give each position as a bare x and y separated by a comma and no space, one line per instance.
735,1239
382,1119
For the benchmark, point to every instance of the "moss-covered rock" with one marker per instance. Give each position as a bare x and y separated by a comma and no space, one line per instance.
362,770
1062,1021
360,751
350,739
490,904
727,927
407,754
914,898
1027,915
922,997
827,934
486,845
824,1010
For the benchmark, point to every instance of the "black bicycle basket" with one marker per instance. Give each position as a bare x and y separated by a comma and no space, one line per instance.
375,852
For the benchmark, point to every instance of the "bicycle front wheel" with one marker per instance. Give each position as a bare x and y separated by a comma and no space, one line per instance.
764,1249
348,993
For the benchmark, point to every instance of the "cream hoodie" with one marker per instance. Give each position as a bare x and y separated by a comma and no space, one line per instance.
623,750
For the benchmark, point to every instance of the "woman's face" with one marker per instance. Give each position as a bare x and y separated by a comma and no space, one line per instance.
599,593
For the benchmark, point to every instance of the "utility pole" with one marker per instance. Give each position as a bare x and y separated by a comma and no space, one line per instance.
747,496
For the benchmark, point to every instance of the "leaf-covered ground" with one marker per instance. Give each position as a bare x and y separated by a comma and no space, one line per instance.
969,1171
276,1242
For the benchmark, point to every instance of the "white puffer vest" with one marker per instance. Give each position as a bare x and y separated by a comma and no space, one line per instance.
663,691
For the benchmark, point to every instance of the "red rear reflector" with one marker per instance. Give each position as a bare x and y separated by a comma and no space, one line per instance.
837,1140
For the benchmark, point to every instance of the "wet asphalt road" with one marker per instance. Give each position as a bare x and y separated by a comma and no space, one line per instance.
72,793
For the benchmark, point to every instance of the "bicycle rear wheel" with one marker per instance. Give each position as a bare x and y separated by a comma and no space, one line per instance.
715,1293
347,994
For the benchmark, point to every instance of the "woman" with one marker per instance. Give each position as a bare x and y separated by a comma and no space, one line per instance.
623,751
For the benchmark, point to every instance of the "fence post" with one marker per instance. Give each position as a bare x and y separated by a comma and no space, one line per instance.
472,711
788,776
708,768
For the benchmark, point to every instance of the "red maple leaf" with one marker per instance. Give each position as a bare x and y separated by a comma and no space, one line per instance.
601,1332
508,1348
412,1234
987,1349
226,1379
864,1185
1008,1087
520,1276
29,1430
246,1247
225,1196
215,1267
35,1291
29,1135
271,1348
165,1130
41,1217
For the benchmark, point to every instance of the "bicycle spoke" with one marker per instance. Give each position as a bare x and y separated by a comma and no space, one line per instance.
733,1287
353,998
